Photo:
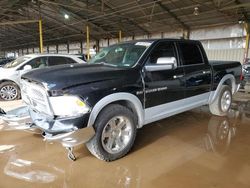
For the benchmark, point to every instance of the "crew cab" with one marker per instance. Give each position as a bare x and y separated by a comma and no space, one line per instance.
10,73
124,87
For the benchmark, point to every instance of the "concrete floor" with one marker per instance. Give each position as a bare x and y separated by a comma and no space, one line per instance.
192,149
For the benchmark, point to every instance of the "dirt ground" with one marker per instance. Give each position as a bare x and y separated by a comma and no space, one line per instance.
192,149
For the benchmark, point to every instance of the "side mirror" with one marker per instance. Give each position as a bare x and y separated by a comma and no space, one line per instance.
167,61
163,63
27,67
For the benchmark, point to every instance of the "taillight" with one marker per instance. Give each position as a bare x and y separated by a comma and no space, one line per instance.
241,75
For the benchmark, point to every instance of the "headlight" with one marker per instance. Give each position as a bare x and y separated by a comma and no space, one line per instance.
68,106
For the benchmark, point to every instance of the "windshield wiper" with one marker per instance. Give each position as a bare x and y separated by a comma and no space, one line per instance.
104,63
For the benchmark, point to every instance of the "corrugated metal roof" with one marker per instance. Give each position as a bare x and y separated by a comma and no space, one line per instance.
107,17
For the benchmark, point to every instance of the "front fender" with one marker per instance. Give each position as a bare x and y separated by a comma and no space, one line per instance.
122,96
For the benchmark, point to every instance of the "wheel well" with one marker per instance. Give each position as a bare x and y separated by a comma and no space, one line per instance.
5,80
231,83
18,96
228,82
127,104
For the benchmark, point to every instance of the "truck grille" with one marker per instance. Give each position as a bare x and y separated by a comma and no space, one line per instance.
36,97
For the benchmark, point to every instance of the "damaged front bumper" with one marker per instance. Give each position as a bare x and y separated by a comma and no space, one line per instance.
18,118
73,138
68,131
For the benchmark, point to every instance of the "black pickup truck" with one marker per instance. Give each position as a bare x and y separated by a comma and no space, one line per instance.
124,87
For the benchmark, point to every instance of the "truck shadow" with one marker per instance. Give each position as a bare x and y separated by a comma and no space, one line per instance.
190,127
182,126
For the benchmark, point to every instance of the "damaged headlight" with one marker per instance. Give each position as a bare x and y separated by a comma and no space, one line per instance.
68,106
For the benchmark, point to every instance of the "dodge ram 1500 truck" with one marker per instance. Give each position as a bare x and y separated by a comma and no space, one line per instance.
124,87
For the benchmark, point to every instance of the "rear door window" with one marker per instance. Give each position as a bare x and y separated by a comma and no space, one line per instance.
70,60
190,53
60,61
83,57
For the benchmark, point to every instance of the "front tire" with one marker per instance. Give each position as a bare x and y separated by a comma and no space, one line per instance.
9,91
115,133
222,103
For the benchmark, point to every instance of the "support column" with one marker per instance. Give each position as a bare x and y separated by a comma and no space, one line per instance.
247,28
120,36
88,45
41,36
162,35
68,47
186,33
97,46
81,48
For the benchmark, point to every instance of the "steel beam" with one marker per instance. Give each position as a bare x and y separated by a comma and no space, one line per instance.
127,19
241,5
19,22
173,16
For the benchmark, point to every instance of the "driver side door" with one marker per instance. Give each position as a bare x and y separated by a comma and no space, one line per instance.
163,87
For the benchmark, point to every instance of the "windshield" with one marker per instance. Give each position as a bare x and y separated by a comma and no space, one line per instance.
17,62
121,55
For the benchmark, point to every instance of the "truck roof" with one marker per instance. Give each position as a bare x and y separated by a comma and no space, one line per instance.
161,39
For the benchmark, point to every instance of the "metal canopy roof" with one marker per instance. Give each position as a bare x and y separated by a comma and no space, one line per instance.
107,17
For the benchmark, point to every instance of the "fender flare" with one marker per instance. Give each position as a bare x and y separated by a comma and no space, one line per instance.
214,94
117,97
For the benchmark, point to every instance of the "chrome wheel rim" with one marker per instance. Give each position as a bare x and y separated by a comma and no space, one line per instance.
8,92
116,134
225,101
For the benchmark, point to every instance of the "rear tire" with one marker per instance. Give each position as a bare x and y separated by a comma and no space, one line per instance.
9,91
222,103
115,129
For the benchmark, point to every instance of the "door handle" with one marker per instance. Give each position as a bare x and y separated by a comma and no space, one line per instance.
206,72
178,76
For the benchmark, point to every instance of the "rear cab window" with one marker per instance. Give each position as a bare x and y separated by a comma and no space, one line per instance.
190,53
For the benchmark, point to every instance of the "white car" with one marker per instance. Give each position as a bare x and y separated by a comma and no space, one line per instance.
10,74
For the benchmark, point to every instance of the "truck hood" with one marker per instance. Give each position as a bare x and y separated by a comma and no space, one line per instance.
66,76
